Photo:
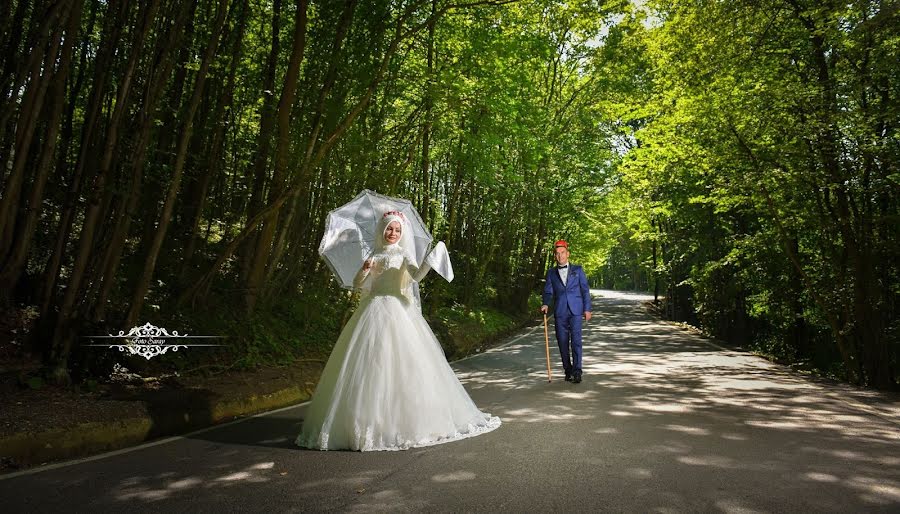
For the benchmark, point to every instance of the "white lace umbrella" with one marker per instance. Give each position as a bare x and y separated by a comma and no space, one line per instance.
351,231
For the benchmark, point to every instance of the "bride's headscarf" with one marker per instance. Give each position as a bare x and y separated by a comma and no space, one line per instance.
404,245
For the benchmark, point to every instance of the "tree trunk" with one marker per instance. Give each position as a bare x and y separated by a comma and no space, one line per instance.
282,147
263,140
218,143
143,284
11,56
62,333
15,263
425,207
30,111
316,156
112,31
21,69
153,94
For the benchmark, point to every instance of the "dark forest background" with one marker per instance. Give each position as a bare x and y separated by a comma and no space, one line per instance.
173,161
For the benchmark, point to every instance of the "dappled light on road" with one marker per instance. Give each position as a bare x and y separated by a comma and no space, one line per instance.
702,406
457,476
664,421
165,485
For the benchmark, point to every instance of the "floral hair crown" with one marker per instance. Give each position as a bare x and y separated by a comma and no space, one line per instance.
394,213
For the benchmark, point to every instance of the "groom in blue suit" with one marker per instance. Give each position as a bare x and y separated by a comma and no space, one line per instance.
567,287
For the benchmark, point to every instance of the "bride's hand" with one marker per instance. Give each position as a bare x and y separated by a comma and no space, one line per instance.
367,265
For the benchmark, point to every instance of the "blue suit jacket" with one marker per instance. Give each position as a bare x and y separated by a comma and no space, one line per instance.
572,298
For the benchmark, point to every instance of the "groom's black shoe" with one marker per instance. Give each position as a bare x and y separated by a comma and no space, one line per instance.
577,378
568,376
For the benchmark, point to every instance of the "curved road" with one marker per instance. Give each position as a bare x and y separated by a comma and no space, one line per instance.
663,422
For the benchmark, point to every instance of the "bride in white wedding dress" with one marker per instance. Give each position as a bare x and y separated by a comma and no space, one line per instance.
387,384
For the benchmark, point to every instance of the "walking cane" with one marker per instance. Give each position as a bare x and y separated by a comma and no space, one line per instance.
547,344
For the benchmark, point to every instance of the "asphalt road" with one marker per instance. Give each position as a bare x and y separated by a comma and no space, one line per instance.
663,422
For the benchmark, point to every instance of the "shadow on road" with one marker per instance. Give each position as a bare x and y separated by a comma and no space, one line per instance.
663,422
677,403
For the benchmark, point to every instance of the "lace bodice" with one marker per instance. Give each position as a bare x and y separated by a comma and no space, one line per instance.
388,276
391,282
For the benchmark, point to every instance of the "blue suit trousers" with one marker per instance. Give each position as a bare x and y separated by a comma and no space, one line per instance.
568,337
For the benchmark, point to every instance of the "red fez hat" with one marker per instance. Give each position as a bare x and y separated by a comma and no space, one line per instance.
561,242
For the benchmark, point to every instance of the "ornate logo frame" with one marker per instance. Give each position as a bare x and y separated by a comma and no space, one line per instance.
148,341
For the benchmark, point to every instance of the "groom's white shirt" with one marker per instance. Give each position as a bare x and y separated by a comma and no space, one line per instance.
563,273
